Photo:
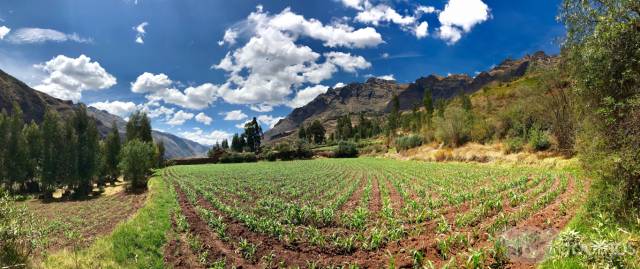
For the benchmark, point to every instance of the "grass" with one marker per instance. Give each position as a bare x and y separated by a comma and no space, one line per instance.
600,223
136,243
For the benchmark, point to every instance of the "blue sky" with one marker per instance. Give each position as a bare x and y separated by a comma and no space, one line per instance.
202,68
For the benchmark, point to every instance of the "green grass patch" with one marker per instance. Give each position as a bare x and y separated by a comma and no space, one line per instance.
136,243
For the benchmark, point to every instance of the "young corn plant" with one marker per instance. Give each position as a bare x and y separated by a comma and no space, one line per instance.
246,249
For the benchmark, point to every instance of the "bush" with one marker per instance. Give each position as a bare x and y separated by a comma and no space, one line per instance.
408,142
454,128
234,157
346,149
538,139
136,161
513,145
18,233
372,149
271,156
482,131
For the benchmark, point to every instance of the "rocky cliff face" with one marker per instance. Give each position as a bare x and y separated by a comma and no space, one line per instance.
34,104
373,97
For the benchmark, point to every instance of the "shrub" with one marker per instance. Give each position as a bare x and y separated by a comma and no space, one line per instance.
453,128
346,149
18,233
408,142
136,161
538,139
513,145
482,131
271,156
234,157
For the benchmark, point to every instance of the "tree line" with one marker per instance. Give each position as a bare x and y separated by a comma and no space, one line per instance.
69,155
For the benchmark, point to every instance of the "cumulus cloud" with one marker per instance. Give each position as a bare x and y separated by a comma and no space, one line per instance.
234,115
180,118
421,30
203,118
40,35
140,32
159,87
201,137
69,77
460,16
357,4
118,108
383,13
387,77
4,31
306,95
230,36
269,120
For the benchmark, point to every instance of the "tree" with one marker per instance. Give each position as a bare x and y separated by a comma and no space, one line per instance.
602,51
87,148
33,150
68,154
4,137
159,154
253,135
236,143
225,144
317,132
111,156
394,116
52,149
136,161
16,159
465,101
302,133
427,102
139,127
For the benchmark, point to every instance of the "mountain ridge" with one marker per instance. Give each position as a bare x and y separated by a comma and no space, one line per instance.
374,95
34,104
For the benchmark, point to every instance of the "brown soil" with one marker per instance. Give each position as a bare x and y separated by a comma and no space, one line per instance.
90,218
355,198
375,203
396,199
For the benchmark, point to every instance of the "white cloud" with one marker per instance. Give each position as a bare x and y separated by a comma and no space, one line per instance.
306,95
118,108
234,115
180,118
269,120
346,61
154,111
426,9
4,31
230,36
356,4
203,118
69,77
339,85
160,87
422,30
338,35
383,13
206,138
241,125
387,77
140,32
39,35
261,108
460,16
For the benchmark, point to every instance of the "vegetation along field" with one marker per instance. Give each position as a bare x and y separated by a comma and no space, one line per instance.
368,213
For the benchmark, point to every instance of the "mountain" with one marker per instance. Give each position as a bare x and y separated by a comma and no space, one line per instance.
34,104
373,96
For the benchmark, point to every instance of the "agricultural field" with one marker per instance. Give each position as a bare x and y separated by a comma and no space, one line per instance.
367,213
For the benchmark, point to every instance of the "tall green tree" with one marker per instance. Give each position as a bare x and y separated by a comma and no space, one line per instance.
52,154
394,116
4,139
602,51
111,156
317,132
225,144
139,127
159,156
236,144
33,150
69,156
16,158
87,148
427,102
253,135
302,132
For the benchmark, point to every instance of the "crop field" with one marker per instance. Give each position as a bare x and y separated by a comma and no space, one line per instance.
367,213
